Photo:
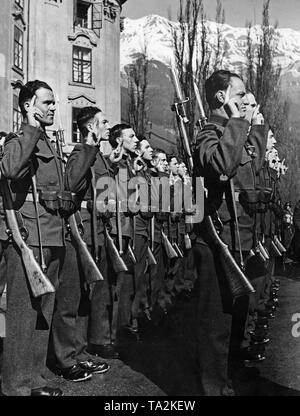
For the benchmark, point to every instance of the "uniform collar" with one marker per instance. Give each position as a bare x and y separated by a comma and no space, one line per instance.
23,125
216,119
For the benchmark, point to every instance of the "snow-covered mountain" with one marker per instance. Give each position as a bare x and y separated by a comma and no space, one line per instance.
156,32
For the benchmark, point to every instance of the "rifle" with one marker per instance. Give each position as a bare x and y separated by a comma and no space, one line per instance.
39,282
202,119
90,270
279,244
89,267
237,281
170,251
182,119
94,217
131,249
116,260
118,220
151,258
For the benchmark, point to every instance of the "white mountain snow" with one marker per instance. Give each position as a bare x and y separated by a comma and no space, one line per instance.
156,32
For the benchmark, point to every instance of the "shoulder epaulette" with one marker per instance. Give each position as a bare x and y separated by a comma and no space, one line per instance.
12,135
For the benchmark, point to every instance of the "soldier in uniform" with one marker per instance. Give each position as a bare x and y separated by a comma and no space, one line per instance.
159,172
124,143
218,157
29,153
184,278
142,232
89,166
70,320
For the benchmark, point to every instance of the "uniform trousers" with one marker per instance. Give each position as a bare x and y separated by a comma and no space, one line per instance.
105,303
28,322
140,276
214,306
157,273
70,319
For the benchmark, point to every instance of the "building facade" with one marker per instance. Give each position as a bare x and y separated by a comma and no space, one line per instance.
73,45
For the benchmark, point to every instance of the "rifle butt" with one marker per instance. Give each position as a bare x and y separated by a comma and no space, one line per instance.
178,251
237,281
90,270
170,251
131,254
275,250
187,242
151,259
116,260
279,245
39,283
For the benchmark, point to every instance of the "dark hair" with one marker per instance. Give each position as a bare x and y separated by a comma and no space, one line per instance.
116,132
2,134
219,80
28,91
171,156
85,115
157,151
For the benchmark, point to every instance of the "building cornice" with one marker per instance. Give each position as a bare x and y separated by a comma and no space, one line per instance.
83,32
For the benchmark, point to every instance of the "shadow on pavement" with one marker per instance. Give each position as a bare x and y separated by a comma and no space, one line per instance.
166,352
166,355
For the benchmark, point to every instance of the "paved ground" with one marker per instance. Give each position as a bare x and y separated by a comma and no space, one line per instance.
163,361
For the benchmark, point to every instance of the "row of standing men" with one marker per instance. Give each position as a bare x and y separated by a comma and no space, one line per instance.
80,322
86,320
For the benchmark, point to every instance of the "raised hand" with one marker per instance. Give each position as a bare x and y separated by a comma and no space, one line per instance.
257,117
32,114
92,138
230,104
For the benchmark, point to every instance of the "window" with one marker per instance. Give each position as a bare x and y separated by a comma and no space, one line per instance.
17,115
82,65
76,135
83,14
20,3
88,15
18,48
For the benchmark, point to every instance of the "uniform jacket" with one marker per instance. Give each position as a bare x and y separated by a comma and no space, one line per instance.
124,172
143,218
78,179
222,154
32,144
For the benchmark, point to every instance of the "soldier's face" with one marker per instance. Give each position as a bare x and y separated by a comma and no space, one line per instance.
238,93
173,166
101,126
45,102
271,140
146,150
182,170
251,106
129,140
161,163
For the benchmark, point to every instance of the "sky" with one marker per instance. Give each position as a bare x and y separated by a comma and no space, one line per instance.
237,12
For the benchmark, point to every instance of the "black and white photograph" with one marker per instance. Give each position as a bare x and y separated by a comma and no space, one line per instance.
149,201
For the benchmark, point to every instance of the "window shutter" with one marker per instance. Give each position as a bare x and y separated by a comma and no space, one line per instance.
74,12
97,18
